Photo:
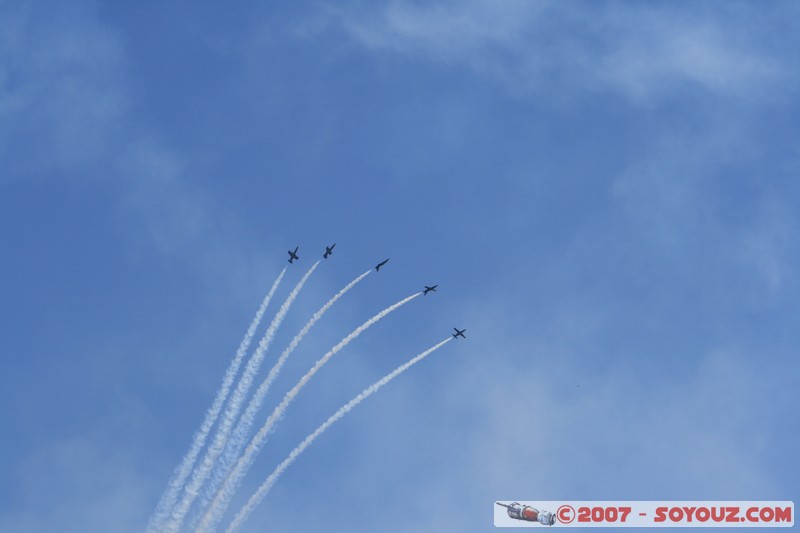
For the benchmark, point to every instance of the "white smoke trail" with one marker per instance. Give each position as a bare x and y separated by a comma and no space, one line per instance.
265,487
239,436
202,471
226,492
183,470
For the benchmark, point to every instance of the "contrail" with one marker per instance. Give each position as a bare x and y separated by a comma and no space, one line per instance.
224,495
202,471
183,470
239,435
262,491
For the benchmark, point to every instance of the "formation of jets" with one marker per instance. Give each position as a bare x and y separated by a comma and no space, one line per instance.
329,251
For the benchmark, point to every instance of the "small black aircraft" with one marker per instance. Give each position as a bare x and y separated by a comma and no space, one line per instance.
293,255
459,333
429,289
379,265
329,250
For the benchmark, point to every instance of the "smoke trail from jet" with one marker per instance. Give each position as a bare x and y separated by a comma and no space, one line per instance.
239,436
183,470
226,492
262,491
202,471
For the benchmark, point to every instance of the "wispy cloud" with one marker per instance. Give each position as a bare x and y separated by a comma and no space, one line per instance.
768,247
529,432
62,88
643,53
66,114
677,196
85,481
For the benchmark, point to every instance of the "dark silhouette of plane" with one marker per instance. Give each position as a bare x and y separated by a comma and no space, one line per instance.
293,255
429,289
459,333
379,265
328,251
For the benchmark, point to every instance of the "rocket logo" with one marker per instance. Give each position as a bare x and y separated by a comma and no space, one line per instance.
528,513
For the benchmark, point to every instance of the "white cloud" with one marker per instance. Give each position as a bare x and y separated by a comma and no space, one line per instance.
642,53
156,188
655,53
767,246
491,428
65,114
82,482
61,89
676,194
447,32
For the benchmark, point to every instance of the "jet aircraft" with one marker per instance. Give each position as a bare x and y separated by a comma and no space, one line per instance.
379,265
329,250
429,289
293,255
459,333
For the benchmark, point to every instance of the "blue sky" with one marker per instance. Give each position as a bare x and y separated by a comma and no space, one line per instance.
606,193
